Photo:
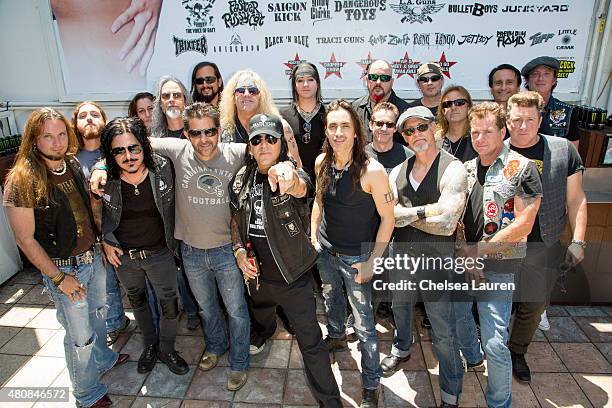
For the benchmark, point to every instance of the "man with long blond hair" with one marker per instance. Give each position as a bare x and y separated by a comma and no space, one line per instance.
245,95
49,209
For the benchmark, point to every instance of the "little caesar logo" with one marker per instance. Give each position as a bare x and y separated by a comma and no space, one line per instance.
243,13
416,11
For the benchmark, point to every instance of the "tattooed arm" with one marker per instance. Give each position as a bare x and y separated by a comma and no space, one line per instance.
291,143
403,215
442,217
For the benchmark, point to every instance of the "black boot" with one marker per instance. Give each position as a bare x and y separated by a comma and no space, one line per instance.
369,398
147,359
175,363
519,367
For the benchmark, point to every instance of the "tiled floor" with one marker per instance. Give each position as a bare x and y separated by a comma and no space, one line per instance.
571,364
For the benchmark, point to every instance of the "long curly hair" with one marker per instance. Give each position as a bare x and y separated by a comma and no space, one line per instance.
359,156
194,95
227,105
117,127
75,115
443,125
29,178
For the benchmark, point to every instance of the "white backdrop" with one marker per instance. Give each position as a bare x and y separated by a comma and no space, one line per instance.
340,37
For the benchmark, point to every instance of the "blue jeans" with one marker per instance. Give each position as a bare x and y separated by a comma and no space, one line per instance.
87,356
115,317
187,297
206,269
403,316
494,314
466,332
336,272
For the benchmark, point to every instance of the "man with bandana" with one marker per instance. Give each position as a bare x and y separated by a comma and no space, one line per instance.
380,89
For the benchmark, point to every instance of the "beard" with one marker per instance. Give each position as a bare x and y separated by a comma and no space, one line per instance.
91,132
200,97
173,112
52,157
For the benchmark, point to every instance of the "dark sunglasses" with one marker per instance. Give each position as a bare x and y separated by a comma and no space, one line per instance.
383,77
253,90
134,149
199,132
433,78
380,123
410,131
208,79
256,140
176,95
456,102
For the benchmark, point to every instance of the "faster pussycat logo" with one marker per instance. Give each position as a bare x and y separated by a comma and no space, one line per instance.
198,18
243,12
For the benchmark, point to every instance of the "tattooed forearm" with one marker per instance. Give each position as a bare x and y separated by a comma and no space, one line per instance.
234,231
292,144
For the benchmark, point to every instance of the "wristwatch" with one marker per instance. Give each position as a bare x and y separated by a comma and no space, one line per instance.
421,212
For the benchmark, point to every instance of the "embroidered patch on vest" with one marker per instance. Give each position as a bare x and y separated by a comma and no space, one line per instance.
511,169
491,209
556,116
490,228
292,228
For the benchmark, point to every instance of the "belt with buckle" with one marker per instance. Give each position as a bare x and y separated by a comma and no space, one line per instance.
139,253
84,258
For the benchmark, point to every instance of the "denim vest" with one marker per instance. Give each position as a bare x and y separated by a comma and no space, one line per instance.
502,181
556,118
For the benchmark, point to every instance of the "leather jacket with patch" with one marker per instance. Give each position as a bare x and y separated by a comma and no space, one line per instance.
556,119
162,184
286,220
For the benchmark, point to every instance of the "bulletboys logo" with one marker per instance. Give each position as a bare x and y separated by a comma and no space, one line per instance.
199,19
416,11
243,12
287,11
360,10
182,45
475,9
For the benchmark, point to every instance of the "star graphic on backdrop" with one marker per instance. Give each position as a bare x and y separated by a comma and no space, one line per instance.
332,67
364,63
292,63
405,66
445,65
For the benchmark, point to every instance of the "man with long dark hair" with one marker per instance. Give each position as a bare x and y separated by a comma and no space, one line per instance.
206,83
170,101
49,210
270,215
350,187
138,231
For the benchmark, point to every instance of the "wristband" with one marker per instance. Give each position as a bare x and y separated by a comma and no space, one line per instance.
99,167
238,250
421,212
58,279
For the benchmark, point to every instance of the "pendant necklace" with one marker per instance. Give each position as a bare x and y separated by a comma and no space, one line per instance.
457,148
136,191
307,117
60,172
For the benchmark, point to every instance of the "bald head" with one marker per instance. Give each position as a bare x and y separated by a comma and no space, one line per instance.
380,81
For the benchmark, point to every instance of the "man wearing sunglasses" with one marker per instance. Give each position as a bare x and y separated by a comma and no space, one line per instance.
383,148
138,236
270,213
170,101
206,83
430,81
204,168
380,89
430,191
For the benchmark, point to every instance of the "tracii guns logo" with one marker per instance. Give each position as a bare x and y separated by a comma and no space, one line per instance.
416,13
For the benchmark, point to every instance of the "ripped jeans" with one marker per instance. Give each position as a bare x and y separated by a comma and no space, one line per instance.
87,356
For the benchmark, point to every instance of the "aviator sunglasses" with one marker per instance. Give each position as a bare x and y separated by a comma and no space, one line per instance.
410,131
253,90
133,149
456,102
256,140
199,132
433,78
380,123
383,77
208,79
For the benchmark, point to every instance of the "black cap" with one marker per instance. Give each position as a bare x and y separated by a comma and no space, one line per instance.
546,61
262,124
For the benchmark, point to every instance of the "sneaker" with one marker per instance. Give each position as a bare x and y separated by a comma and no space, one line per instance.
208,361
236,380
256,347
369,398
175,363
544,323
193,322
390,364
520,367
335,344
147,359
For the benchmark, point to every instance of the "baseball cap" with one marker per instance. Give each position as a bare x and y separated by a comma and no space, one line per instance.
429,68
266,125
420,112
544,60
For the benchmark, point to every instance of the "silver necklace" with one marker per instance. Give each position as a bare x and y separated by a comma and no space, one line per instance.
307,117
60,172
450,146
136,191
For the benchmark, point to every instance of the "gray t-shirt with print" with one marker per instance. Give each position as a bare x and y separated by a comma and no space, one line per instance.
202,197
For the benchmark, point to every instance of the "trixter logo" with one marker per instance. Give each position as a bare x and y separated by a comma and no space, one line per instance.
243,12
475,9
182,45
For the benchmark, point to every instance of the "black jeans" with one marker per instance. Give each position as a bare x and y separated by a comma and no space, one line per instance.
298,303
160,269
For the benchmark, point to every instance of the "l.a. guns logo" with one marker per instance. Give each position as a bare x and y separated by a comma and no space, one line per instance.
243,12
199,19
475,9
360,10
514,38
530,8
182,45
416,11
319,11
566,67
287,10
539,38
235,46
